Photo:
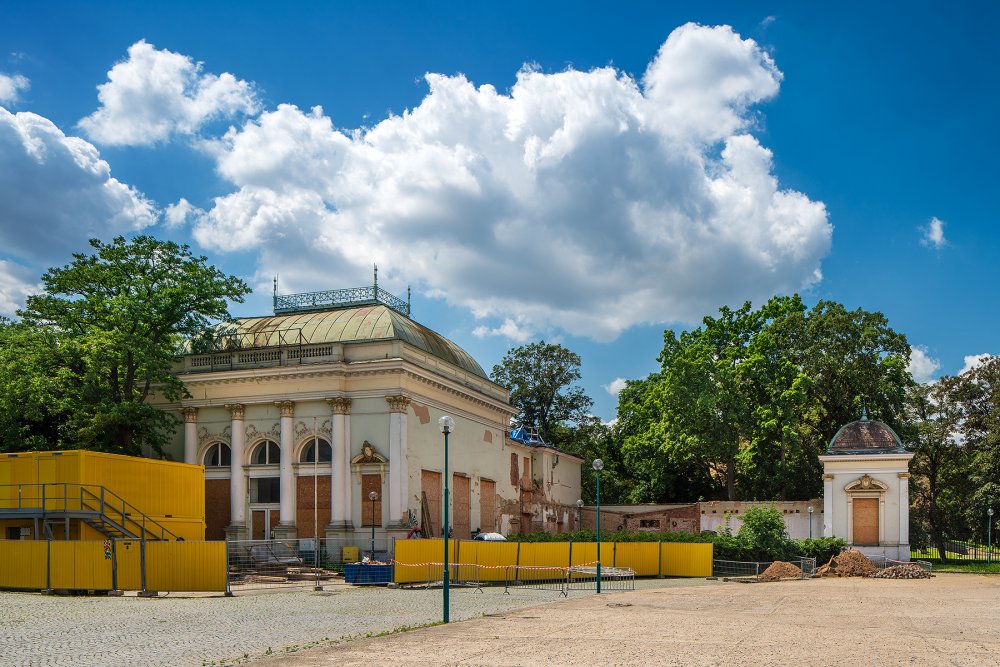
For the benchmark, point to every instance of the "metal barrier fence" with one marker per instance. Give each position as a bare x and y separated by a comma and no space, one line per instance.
305,563
753,569
959,550
881,562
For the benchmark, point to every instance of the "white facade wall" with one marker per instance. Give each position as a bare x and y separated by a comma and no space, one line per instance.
794,512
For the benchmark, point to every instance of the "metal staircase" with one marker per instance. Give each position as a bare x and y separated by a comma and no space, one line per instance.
52,505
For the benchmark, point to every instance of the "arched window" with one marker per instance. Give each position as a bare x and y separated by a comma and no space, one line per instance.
266,453
309,452
218,455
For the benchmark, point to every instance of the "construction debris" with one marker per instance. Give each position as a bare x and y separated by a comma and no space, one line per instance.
780,570
851,563
904,571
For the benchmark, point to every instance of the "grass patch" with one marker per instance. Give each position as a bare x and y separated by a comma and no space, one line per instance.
969,568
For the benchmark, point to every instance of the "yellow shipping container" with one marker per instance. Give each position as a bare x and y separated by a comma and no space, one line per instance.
171,494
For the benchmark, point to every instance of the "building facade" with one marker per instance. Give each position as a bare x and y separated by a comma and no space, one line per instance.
866,492
301,416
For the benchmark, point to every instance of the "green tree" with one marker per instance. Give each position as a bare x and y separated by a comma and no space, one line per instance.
977,392
940,460
540,379
748,400
116,318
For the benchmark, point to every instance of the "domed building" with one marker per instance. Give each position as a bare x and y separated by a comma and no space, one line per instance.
322,420
866,498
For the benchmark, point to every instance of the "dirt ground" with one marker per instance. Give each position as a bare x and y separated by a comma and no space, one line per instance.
949,620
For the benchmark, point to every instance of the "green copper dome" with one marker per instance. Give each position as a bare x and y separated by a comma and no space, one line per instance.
347,325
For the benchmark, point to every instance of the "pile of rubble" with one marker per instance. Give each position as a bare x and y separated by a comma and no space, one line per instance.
851,563
780,570
903,571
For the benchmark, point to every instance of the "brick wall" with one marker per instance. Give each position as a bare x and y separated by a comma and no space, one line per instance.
216,508
304,504
685,517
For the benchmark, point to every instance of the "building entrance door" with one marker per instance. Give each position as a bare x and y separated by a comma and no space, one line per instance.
261,521
866,521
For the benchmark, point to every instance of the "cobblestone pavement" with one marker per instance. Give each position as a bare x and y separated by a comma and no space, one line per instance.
38,630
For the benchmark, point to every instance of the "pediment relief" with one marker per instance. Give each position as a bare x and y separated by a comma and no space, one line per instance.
369,456
866,483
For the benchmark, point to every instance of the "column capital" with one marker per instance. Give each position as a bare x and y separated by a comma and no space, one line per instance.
287,408
237,410
190,415
827,477
903,475
397,403
339,405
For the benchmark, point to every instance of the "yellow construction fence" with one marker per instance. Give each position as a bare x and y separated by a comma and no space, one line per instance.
420,560
113,565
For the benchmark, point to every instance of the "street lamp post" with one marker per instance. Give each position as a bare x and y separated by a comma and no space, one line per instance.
598,467
989,535
810,522
447,425
579,514
373,497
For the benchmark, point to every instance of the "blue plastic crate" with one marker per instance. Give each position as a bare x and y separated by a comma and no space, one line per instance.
365,573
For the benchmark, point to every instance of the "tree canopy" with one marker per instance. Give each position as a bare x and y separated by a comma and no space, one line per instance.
745,403
104,334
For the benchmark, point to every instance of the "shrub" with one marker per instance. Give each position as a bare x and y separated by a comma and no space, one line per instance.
763,535
820,548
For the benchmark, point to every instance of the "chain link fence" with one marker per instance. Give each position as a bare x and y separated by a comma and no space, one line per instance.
751,570
306,563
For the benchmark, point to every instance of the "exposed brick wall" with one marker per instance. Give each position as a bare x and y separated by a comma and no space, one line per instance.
304,504
686,517
216,508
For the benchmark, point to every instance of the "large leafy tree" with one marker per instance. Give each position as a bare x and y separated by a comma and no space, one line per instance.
113,320
978,392
748,400
940,483
540,378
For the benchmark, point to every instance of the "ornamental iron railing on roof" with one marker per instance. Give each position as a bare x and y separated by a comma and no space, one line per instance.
338,298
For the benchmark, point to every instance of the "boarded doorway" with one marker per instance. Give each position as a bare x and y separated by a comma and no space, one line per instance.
487,505
371,512
463,502
866,521
430,486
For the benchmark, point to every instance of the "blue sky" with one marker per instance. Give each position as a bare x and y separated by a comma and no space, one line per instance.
609,190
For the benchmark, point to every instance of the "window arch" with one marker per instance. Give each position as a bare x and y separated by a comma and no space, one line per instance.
266,453
310,449
218,455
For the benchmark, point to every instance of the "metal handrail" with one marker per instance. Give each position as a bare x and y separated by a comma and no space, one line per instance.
81,496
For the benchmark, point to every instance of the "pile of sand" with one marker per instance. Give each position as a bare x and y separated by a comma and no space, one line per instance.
780,570
851,563
904,571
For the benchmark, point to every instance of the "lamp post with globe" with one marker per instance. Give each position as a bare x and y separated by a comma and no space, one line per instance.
598,467
447,425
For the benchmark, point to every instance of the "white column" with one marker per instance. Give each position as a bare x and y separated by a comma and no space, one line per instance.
828,506
904,508
340,478
190,434
286,511
398,474
237,480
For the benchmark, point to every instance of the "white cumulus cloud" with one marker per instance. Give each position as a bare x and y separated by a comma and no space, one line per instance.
587,202
922,366
932,234
57,192
509,329
180,213
973,360
15,285
11,87
154,94
615,386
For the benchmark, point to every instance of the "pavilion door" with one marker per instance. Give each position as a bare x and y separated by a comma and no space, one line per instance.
462,507
866,521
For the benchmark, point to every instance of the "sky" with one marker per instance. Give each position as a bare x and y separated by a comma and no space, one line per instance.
584,173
